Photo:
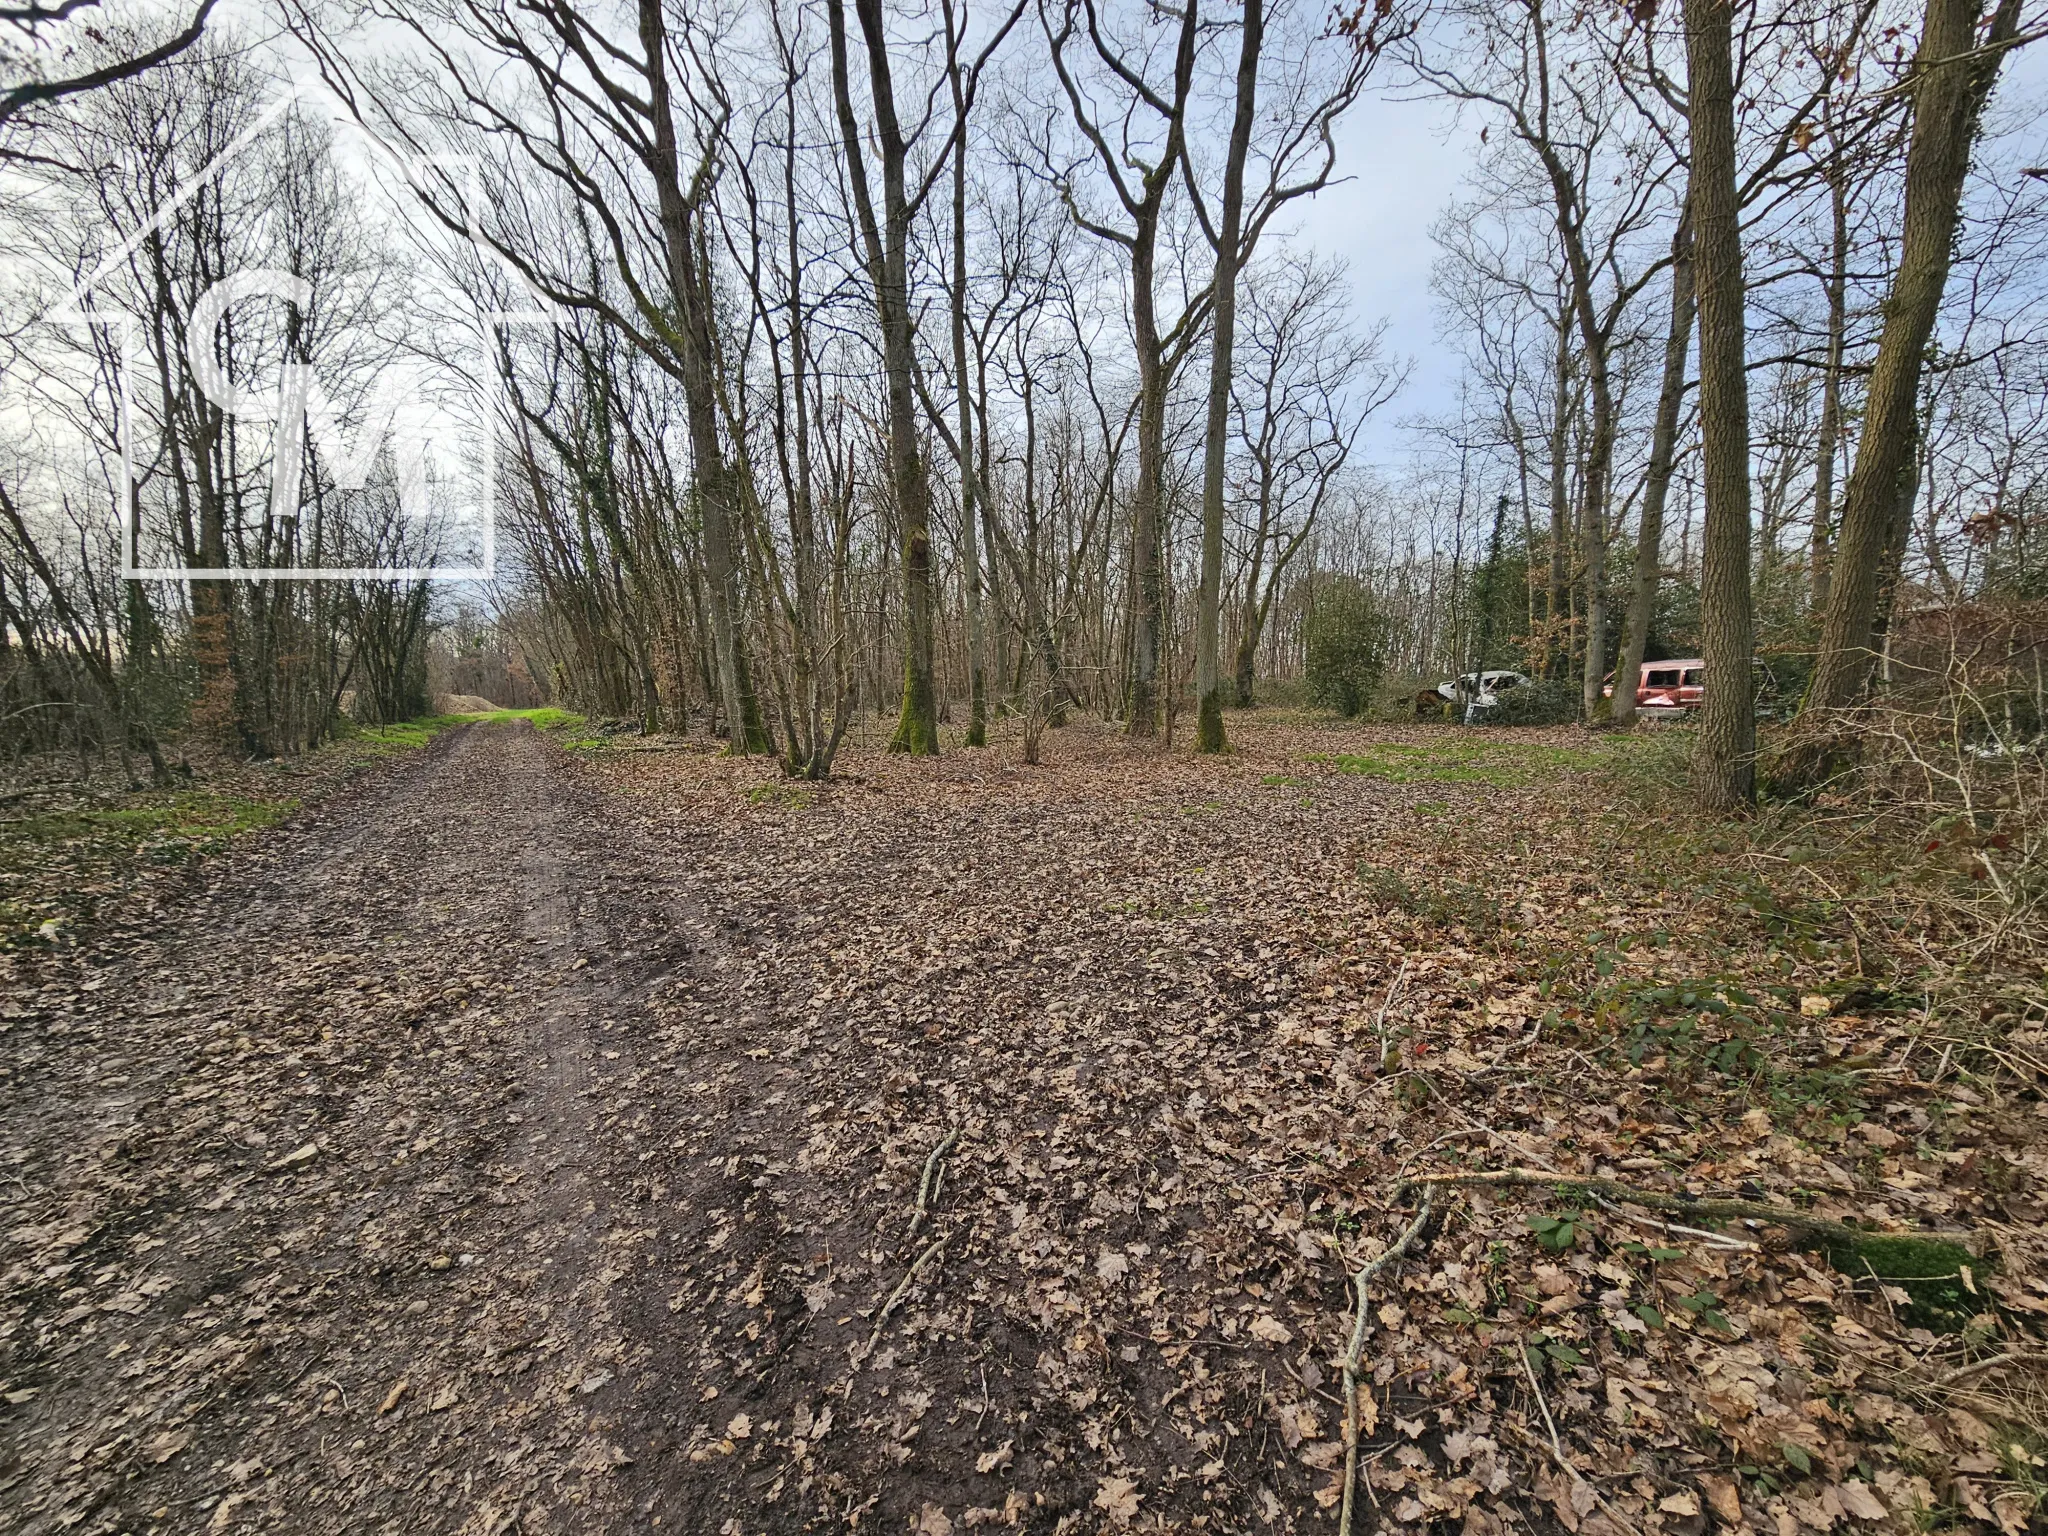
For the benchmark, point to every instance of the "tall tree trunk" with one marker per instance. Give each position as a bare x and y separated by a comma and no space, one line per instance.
1593,538
1560,504
1254,605
1830,395
970,542
1642,597
1724,759
1146,557
1952,77
710,476
888,259
1209,736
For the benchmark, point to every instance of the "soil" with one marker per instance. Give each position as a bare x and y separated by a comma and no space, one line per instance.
532,1141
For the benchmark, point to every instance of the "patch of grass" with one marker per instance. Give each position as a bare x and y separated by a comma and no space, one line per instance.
410,735
407,735
549,719
783,796
1501,764
1277,779
56,867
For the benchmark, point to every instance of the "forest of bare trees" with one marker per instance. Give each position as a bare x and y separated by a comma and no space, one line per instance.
945,365
1030,766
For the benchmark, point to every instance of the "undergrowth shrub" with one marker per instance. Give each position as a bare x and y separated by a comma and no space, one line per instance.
1347,642
1445,902
1546,701
1945,789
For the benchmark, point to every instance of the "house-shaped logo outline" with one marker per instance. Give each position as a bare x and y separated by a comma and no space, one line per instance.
72,310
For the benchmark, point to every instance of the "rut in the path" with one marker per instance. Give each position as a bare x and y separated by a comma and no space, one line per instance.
487,1297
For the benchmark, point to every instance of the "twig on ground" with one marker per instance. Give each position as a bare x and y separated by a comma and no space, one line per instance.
1712,1239
1984,1367
1709,1208
2011,1056
1390,1055
895,1296
1399,1247
1557,1451
927,1187
1535,1386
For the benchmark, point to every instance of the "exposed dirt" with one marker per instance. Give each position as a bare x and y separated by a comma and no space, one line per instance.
528,1143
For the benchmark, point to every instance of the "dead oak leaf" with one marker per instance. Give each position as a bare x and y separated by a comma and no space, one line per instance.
1118,1498
1723,1498
995,1460
1861,1501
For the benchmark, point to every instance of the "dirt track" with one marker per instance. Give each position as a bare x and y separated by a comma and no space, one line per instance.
445,987
458,1162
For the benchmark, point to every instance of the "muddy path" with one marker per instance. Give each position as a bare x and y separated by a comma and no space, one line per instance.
372,1190
508,1148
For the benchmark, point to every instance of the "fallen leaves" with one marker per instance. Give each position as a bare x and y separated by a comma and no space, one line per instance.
1143,991
995,1460
1117,1497
298,1157
1270,1329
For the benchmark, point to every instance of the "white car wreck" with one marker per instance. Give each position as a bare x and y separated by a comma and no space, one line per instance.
1473,695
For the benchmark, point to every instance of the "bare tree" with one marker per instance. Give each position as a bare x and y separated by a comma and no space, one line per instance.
1951,78
1724,759
1137,148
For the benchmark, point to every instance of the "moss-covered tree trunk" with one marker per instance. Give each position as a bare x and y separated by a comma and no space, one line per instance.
887,248
1953,73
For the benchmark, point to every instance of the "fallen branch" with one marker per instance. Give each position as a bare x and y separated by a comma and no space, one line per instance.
1711,1239
895,1296
1712,1209
1963,1373
927,1187
1400,1246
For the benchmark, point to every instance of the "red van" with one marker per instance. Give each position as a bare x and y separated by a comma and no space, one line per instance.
1668,684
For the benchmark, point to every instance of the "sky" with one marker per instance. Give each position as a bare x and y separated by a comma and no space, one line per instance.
1401,160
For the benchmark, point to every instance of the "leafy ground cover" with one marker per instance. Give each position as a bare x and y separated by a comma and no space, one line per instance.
73,854
552,1141
1481,757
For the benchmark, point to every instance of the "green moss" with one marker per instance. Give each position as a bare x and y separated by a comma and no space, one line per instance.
1938,1276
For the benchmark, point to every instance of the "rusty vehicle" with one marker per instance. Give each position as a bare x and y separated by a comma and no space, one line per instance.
1668,686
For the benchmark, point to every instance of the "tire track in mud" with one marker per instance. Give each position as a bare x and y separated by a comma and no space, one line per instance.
487,1299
